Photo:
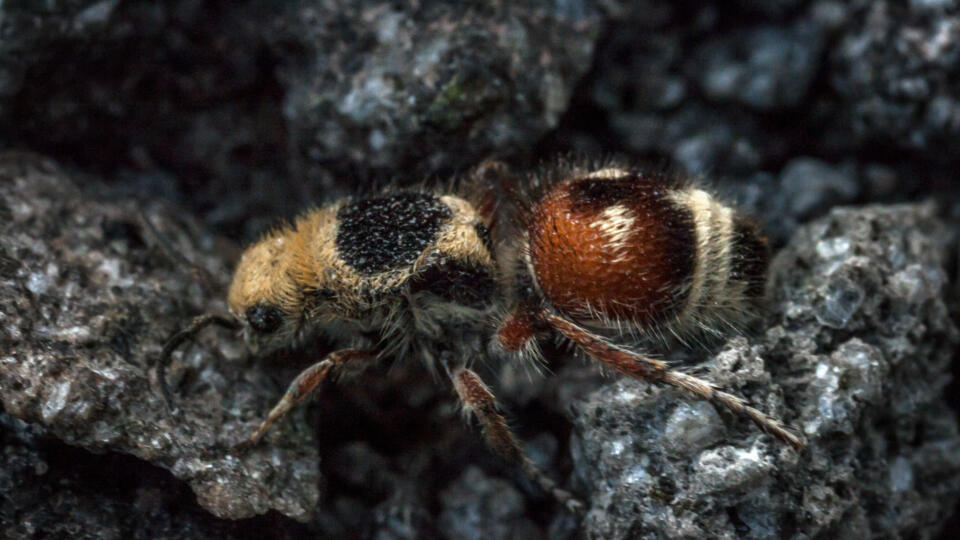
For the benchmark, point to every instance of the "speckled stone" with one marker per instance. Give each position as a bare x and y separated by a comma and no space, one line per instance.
854,355
228,116
390,86
88,298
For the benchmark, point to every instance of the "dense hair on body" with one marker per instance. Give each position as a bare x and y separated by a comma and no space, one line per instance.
645,255
407,266
584,252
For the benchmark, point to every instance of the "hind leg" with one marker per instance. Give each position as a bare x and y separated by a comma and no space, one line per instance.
519,331
644,368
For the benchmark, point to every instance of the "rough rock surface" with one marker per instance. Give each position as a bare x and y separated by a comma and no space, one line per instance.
221,98
860,73
86,301
161,98
855,353
33,30
54,490
499,514
738,93
241,113
410,80
895,68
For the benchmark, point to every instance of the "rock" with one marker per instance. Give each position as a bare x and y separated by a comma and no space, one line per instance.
855,354
243,113
51,489
478,507
810,186
892,68
32,32
727,91
766,68
257,109
87,300
711,87
156,97
388,87
806,188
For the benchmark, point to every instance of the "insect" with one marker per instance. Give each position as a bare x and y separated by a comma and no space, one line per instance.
594,256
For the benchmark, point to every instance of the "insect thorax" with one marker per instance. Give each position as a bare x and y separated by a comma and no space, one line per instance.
409,268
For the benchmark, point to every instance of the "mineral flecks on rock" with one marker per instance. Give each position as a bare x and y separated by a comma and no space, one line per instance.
408,81
88,298
855,353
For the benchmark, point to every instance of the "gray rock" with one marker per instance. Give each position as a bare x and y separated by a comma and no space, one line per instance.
766,68
385,87
54,490
855,354
730,90
258,109
87,301
709,86
243,114
478,507
32,31
893,68
807,188
155,96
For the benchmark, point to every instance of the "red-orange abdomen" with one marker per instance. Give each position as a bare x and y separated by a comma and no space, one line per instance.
614,247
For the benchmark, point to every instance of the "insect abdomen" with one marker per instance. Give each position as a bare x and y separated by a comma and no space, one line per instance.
616,248
619,247
731,262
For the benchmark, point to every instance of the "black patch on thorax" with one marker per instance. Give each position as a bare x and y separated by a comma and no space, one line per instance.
376,235
456,282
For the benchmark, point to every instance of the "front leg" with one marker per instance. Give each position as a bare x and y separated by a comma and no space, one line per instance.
303,385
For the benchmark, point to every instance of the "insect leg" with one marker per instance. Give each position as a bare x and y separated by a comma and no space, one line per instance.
305,382
649,369
518,332
479,400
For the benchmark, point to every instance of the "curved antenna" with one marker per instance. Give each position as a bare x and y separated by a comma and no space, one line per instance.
195,326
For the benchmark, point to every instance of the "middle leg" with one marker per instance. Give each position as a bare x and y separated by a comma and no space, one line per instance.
479,400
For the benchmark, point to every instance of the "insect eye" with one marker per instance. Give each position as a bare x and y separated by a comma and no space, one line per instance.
264,319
